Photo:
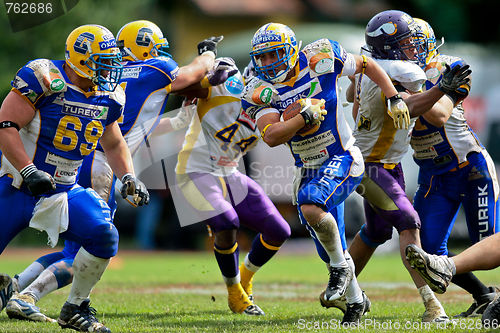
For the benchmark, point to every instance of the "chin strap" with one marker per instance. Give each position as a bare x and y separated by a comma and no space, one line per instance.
8,123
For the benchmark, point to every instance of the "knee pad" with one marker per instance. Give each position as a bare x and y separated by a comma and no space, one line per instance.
104,243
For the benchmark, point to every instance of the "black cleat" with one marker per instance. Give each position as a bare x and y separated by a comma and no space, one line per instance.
356,310
80,318
340,277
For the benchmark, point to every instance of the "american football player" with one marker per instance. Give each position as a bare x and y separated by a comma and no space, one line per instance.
439,270
223,197
54,116
329,166
455,170
391,38
149,76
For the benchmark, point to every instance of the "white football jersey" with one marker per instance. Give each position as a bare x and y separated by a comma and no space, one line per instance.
376,136
220,134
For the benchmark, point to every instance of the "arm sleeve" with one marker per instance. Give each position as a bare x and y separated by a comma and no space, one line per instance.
27,85
345,64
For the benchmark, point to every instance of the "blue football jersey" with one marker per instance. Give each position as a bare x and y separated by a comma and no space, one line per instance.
320,65
147,85
68,121
440,149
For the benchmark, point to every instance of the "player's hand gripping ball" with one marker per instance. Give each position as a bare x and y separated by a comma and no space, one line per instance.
312,109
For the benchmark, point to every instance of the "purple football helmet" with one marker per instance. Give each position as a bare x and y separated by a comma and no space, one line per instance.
385,31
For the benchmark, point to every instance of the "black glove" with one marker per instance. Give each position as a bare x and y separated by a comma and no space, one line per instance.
209,44
223,69
453,78
37,181
136,188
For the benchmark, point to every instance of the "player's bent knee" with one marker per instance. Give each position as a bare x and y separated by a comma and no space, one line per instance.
312,213
105,241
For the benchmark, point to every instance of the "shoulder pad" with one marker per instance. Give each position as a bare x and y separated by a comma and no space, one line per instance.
48,75
410,75
259,92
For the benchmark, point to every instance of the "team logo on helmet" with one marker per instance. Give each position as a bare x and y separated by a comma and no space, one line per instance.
142,37
388,28
82,42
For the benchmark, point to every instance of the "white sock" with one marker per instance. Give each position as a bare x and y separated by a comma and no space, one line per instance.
45,283
87,271
328,235
429,297
231,280
29,274
353,294
251,267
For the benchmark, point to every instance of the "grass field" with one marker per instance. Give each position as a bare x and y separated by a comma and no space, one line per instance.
183,292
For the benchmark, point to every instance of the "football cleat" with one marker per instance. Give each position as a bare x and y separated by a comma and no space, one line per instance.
246,281
340,277
477,308
437,271
340,303
238,301
23,307
9,287
254,310
80,318
355,311
491,315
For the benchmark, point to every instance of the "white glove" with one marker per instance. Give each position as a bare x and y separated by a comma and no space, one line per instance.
398,110
183,117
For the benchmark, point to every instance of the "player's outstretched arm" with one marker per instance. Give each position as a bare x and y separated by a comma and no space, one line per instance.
396,106
436,104
19,112
199,67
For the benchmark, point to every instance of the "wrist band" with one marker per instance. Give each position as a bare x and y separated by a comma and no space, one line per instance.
263,132
365,62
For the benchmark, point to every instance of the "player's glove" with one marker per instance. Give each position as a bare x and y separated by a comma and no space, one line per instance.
223,69
136,188
453,78
37,181
183,117
398,110
313,114
209,44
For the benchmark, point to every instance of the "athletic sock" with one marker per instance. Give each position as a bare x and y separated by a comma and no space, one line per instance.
328,235
29,274
227,259
260,253
353,294
429,298
88,270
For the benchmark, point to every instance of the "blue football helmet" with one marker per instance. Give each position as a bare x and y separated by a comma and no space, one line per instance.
278,38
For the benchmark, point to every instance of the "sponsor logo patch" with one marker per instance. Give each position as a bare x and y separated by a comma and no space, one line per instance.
85,110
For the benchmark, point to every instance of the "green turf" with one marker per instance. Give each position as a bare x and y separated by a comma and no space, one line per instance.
183,292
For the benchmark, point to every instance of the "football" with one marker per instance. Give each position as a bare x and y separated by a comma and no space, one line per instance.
293,109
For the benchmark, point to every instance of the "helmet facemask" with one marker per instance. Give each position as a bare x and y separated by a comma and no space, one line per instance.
107,68
273,72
